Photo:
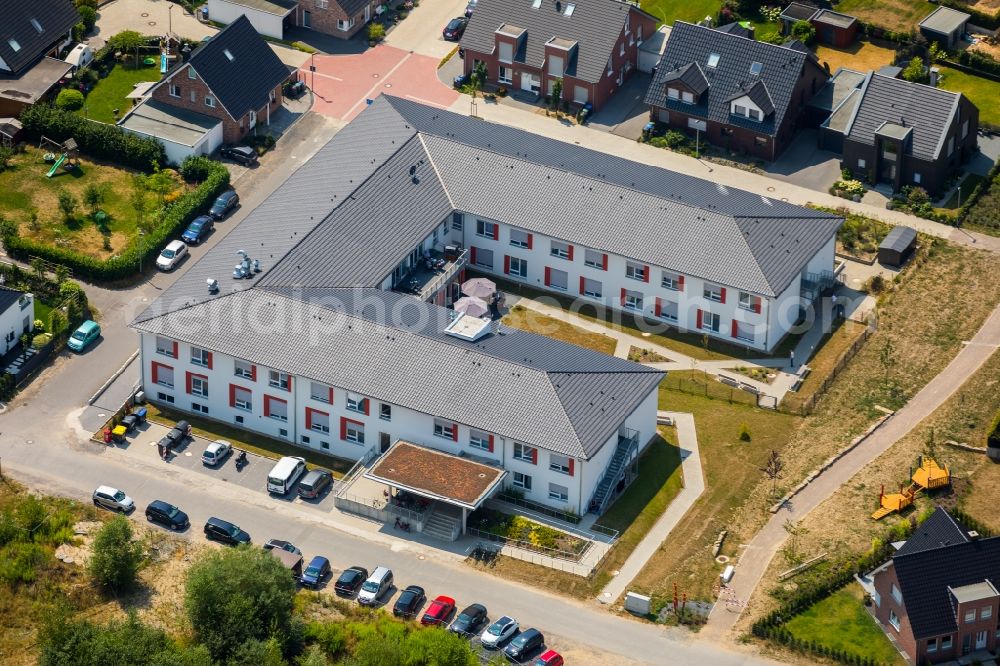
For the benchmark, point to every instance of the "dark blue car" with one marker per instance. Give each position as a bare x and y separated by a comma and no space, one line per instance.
199,228
316,572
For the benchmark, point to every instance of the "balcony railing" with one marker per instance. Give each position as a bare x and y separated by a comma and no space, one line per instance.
441,280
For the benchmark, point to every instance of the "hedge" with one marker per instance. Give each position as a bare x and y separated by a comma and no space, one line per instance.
978,208
126,264
106,142
980,63
979,17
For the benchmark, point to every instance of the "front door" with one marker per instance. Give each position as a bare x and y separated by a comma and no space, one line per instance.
253,120
981,640
384,442
530,82
966,643
307,19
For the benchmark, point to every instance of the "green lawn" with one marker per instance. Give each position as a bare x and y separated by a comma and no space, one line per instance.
984,93
691,11
969,184
841,622
529,320
660,479
896,15
109,93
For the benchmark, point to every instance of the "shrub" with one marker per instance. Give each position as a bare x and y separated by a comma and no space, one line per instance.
88,16
804,31
376,32
69,99
6,153
116,557
914,71
993,437
915,196
67,204
86,3
196,168
744,433
875,284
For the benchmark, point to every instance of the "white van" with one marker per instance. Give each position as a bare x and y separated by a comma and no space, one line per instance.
284,474
377,584
80,56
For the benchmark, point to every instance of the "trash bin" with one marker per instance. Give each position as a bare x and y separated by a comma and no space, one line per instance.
107,435
204,13
647,131
141,414
118,434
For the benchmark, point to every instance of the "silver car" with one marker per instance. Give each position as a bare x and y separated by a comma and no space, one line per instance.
216,452
114,499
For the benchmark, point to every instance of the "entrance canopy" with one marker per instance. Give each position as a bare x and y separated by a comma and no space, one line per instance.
437,475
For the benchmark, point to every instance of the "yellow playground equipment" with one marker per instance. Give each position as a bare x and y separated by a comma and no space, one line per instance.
929,476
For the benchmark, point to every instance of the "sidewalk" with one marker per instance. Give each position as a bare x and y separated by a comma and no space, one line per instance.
694,486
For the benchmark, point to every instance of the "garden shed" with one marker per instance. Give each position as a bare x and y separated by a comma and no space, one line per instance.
945,25
897,246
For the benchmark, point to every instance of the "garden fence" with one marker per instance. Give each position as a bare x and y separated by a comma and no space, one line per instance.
564,516
534,553
809,404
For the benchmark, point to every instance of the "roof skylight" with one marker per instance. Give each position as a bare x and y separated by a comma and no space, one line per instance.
755,68
36,25
228,54
713,60
13,44
536,4
569,9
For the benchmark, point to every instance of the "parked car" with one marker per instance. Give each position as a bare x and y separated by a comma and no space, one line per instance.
471,7
453,31
470,620
498,632
224,204
524,645
168,515
114,499
439,611
377,584
350,581
172,254
216,452
245,155
281,544
409,602
316,572
225,532
84,336
314,483
198,230
549,658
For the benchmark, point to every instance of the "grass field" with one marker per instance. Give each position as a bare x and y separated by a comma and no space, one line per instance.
861,56
982,92
109,93
692,11
830,349
895,15
841,622
529,320
969,184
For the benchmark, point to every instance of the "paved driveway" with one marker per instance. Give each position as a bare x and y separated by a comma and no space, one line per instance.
420,32
150,17
805,165
342,83
626,113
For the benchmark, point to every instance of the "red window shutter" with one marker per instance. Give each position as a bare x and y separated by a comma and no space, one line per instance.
472,254
330,399
735,326
267,405
604,262
496,231
569,253
571,466
756,304
343,428
534,456
699,319
506,263
722,294
209,360
623,296
155,371
583,282
658,307
290,378
454,431
531,240
491,443
368,406
548,275
680,283
645,273
175,349
187,382
309,418
253,373
232,395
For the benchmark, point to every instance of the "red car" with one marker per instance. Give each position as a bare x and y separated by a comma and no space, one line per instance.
439,611
549,658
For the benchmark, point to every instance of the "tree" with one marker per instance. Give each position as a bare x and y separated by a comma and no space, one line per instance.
137,201
67,204
62,274
69,99
128,40
236,596
93,196
914,71
25,344
88,16
557,88
772,470
258,653
116,558
804,31
6,153
313,656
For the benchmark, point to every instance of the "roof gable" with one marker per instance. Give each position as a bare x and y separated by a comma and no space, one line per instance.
9,297
690,75
33,26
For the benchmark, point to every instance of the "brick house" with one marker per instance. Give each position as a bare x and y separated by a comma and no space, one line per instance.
337,18
234,77
592,45
937,597
740,94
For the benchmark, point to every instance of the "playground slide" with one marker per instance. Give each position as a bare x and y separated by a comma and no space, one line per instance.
55,167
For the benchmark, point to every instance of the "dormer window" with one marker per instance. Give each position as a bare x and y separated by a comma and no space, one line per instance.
687,98
673,93
36,25
753,114
755,68
569,9
713,60
506,52
228,54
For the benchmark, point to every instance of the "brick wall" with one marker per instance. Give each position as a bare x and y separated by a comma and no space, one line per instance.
323,17
883,582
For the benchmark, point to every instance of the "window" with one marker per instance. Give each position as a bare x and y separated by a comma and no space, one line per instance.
481,257
592,288
667,310
241,398
986,613
201,357
632,300
555,65
753,114
946,643
861,163
175,91
611,70
709,321
916,177
344,26
687,97
322,4
191,73
479,440
672,281
569,9
36,25
238,419
561,250
556,279
166,347
198,407
163,375
673,93
621,49
445,429
199,386
951,145
558,463
635,272
385,411
519,267
581,94
13,44
970,616
278,380
519,238
244,369
457,221
594,259
163,397
894,619
535,4
755,68
747,302
275,408
210,101
713,60
522,481
740,110
353,431
896,594
628,27
525,453
357,403
713,293
318,421
305,439
932,645
744,331
558,493
506,53
486,229
194,96
320,392
506,75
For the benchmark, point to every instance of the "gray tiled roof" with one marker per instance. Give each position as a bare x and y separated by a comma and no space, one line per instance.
945,20
736,28
691,76
757,92
519,385
940,530
245,82
56,18
929,111
595,25
781,67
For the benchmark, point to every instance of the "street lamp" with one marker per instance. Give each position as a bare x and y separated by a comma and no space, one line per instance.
170,23
141,236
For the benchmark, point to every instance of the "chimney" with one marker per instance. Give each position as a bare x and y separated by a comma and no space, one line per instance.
558,6
935,73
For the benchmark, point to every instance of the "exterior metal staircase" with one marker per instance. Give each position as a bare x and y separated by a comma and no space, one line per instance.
628,442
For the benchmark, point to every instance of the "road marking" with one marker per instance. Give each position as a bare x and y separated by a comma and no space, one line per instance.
378,85
428,102
325,76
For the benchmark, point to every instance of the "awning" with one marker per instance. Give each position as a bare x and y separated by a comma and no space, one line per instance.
436,474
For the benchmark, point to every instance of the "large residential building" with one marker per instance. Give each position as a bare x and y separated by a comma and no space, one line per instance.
738,93
937,598
527,45
31,36
897,132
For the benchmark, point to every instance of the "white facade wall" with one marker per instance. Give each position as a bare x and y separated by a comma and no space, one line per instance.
264,22
18,319
759,330
404,423
178,152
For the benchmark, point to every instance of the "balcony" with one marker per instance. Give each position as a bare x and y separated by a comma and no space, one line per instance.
428,277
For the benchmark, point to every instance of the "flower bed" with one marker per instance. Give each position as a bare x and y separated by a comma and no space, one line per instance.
527,534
